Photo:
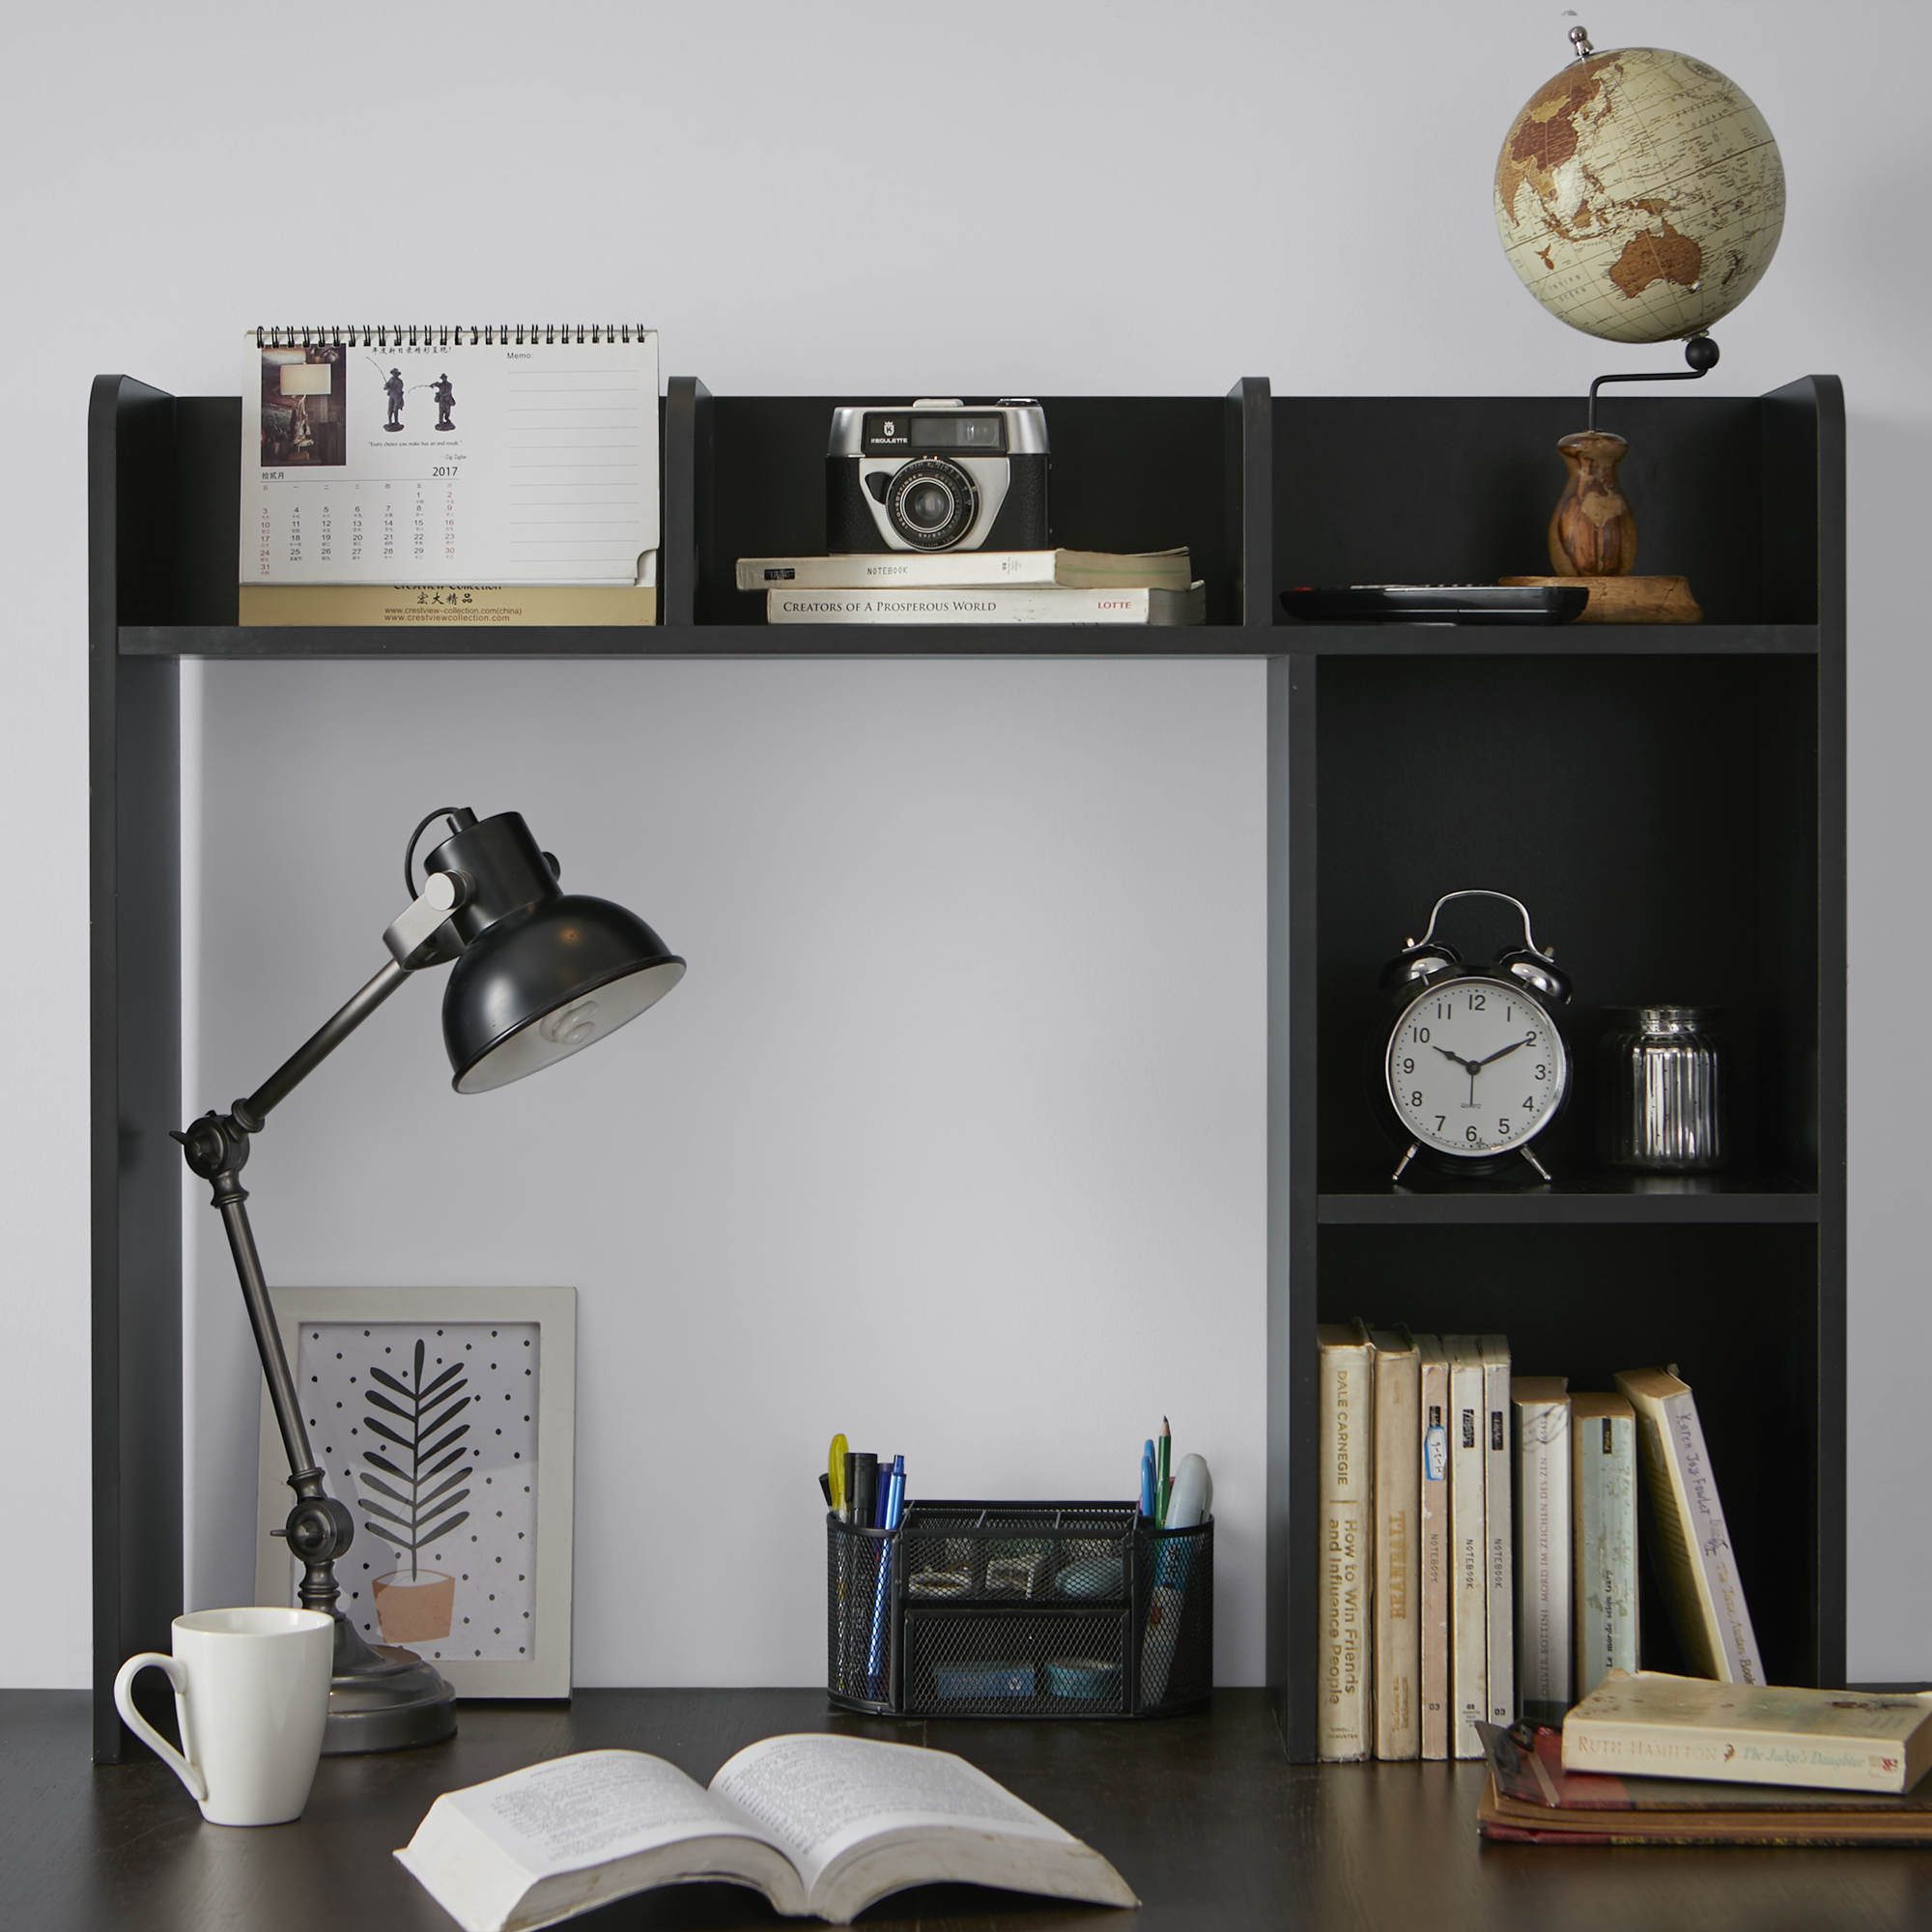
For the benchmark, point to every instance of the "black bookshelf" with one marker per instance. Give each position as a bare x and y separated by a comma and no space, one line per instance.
1669,802
1728,739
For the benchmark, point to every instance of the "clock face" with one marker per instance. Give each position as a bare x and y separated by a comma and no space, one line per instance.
1475,1067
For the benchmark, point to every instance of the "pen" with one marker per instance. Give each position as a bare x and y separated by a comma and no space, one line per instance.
835,1469
1147,1478
891,1507
1163,1449
825,1483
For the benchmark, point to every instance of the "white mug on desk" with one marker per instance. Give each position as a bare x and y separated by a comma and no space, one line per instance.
252,1695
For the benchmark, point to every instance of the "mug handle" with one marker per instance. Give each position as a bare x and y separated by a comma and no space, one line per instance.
124,1702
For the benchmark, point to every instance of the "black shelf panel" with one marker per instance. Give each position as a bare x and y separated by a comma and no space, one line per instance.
951,640
700,640
1588,1200
1569,640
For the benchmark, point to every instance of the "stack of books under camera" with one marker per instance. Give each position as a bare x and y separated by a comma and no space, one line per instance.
1478,1579
979,586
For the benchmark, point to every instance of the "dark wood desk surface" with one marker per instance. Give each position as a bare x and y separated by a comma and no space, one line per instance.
1202,1815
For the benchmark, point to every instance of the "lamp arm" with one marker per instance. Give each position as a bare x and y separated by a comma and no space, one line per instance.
252,1112
320,1528
413,944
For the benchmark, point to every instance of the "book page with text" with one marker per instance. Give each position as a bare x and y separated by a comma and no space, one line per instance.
593,1808
815,1797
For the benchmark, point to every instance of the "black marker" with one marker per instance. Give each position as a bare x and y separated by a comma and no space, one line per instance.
863,1489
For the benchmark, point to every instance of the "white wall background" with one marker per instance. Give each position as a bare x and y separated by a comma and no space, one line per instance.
1318,183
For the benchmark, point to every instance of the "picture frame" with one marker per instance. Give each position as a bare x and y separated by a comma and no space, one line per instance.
417,1406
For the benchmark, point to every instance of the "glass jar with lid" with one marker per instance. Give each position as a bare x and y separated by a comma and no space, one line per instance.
1661,1106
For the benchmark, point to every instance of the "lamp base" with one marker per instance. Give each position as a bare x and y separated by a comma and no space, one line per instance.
384,1698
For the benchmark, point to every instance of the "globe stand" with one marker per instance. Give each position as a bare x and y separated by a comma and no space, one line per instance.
1592,534
1700,352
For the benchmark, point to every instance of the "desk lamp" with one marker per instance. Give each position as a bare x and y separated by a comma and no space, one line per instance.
538,975
302,381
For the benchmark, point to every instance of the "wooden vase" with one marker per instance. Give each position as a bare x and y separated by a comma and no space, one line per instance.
1592,532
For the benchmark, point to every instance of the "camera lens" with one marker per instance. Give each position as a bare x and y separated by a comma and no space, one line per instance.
932,503
928,505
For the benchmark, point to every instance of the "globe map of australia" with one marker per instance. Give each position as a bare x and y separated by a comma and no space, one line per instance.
1639,195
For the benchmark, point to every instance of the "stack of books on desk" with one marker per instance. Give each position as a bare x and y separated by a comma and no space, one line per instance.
1479,1540
1653,1759
980,587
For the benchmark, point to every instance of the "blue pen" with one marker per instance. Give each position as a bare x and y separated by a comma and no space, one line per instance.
891,1507
1146,1479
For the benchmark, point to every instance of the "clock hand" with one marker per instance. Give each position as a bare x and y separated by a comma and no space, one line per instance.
1499,1052
1468,1066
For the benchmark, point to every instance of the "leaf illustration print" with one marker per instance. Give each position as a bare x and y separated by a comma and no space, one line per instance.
414,1496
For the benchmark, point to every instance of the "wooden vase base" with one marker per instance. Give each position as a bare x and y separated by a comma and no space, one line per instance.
1628,600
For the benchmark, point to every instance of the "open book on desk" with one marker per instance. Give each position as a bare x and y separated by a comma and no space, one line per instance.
820,1824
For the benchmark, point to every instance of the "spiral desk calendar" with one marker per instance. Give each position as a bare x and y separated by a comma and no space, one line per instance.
433,463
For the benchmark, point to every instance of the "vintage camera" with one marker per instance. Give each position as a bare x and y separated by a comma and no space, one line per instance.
937,474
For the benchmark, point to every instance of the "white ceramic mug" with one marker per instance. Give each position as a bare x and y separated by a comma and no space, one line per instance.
252,1695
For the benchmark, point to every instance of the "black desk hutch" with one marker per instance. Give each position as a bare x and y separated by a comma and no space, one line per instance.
1669,801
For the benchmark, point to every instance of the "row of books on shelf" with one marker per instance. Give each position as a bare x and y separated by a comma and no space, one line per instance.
1479,1540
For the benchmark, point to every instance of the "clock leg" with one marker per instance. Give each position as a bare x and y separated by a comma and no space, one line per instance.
1543,1173
1404,1162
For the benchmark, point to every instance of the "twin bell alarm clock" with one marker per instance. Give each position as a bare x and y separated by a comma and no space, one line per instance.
1474,1068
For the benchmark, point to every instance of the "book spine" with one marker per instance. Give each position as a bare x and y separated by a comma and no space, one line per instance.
1544,1559
1347,1408
901,570
1434,1563
1733,1757
1603,1487
1396,1607
965,569
1468,1587
1710,1544
993,605
1499,1534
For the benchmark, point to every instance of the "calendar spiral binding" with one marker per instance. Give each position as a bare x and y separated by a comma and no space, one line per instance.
433,336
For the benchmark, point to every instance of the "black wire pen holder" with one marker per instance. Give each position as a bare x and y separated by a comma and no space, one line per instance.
1001,1609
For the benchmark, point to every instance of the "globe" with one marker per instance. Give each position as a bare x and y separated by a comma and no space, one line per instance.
1639,195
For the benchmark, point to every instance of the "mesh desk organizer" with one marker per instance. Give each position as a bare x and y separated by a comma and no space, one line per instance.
975,1609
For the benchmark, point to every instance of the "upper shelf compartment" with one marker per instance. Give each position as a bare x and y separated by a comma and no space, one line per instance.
1460,490
745,477
1263,492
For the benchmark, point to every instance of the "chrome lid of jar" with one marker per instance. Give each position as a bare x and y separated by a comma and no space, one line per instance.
1662,1019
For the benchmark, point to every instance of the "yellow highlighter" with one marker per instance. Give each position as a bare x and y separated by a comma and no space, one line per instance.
835,1465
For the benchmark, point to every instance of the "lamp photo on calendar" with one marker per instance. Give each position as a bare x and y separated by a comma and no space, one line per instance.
304,407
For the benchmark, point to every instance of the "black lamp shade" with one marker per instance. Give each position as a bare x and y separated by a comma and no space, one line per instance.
543,983
542,977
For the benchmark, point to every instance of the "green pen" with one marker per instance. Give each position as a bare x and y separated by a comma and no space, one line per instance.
1163,1449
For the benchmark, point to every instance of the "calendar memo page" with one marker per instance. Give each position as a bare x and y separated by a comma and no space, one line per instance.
450,456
